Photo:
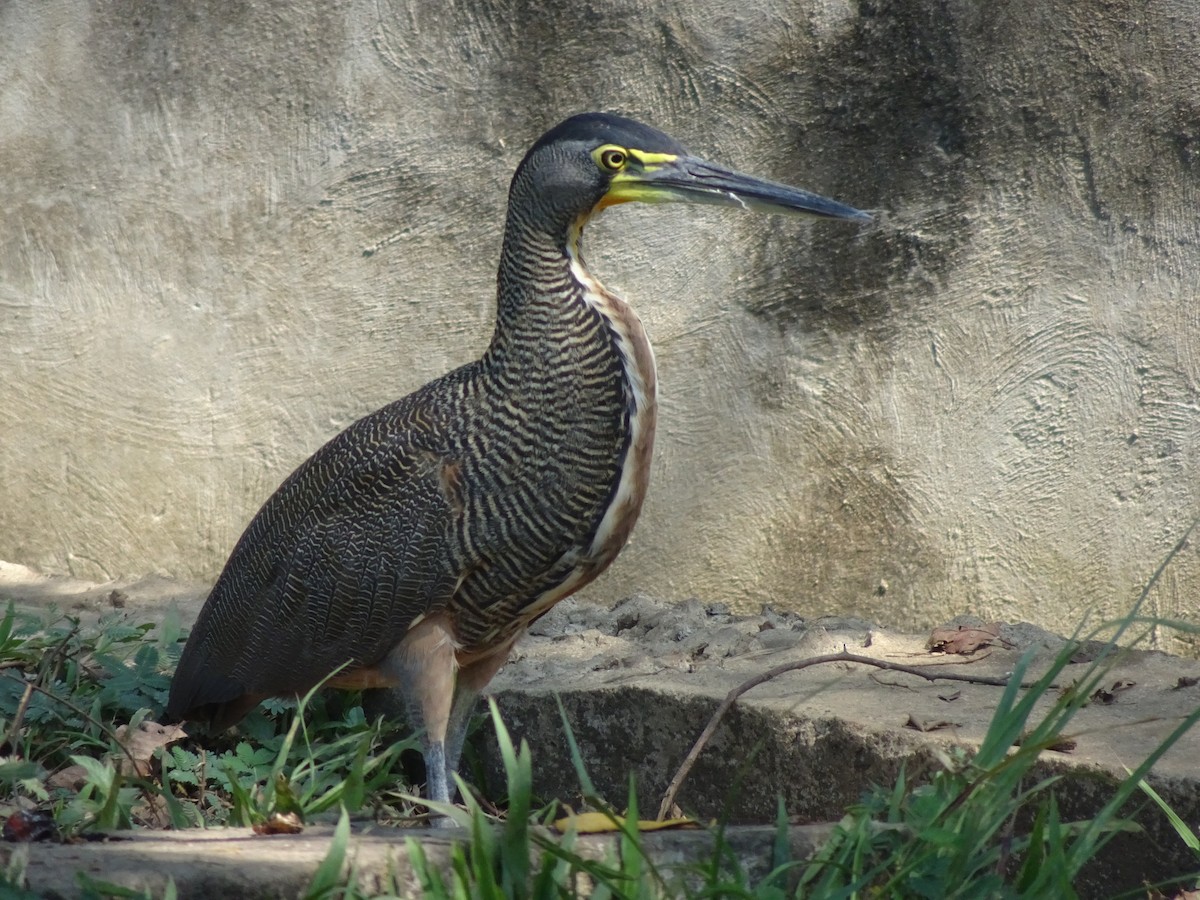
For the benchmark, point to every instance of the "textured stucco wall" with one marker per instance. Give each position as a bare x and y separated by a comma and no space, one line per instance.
230,229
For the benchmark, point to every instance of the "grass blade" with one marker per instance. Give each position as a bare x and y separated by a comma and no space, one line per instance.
328,877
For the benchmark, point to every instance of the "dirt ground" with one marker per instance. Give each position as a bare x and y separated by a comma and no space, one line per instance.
700,649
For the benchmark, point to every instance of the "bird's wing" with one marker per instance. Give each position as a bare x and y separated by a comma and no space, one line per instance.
333,569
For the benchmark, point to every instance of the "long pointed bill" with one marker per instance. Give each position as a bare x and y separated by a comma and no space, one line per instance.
661,177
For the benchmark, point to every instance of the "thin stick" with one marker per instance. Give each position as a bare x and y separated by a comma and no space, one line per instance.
19,719
795,666
86,717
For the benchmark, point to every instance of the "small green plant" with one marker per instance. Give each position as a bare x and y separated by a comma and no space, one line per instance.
66,689
13,883
519,857
63,689
97,889
60,684
104,802
1190,838
316,765
328,881
957,836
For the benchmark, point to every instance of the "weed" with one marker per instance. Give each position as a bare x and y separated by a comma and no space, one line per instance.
65,689
985,825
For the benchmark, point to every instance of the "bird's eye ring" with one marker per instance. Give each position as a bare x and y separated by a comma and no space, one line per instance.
613,159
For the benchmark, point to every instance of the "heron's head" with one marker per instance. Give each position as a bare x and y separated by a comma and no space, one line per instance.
595,160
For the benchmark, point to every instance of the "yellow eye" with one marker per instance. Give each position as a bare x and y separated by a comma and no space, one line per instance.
613,159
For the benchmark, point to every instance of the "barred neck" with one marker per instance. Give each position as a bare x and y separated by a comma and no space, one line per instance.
539,296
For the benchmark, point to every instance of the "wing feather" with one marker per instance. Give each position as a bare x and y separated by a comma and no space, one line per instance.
334,568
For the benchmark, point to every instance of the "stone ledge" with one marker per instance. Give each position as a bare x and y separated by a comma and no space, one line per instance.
235,862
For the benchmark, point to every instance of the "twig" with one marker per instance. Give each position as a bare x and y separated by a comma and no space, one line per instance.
896,684
947,661
203,777
143,784
87,718
795,666
19,718
52,661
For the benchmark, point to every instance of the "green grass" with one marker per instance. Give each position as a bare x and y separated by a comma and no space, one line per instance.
985,825
64,690
957,836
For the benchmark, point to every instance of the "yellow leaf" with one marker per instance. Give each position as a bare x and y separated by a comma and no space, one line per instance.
602,823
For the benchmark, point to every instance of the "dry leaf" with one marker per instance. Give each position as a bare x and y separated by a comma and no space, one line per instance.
1110,695
72,778
152,812
280,823
928,725
141,743
1059,745
602,823
963,640
950,697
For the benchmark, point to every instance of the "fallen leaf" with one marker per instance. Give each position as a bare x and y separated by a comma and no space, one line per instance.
1059,745
602,823
1110,695
963,640
152,812
72,778
928,725
950,697
141,742
1069,692
280,823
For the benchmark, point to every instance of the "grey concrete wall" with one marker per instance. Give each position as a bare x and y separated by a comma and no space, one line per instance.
230,229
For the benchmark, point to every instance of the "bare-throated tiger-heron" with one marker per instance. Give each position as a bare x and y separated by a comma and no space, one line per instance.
415,547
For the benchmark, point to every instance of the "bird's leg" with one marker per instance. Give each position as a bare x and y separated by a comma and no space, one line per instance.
438,786
469,684
423,665
456,728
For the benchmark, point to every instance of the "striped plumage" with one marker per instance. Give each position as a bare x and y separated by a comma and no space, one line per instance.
416,546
